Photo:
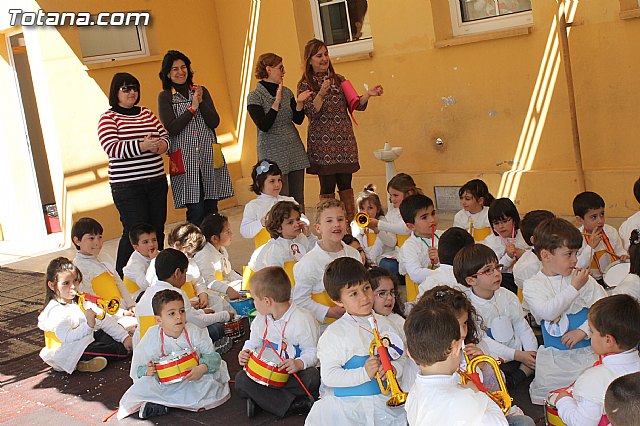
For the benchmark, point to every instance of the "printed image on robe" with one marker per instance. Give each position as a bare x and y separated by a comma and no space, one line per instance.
394,345
558,327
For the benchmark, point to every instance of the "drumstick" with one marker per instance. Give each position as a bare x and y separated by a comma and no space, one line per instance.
294,374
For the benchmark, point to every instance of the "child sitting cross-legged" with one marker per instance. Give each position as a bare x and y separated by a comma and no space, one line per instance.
437,398
145,247
286,334
615,335
204,386
350,392
622,400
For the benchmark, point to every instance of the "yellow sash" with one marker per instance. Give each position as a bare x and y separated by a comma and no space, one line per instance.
371,238
132,286
188,288
412,289
218,276
104,286
401,239
520,294
146,322
246,274
261,238
480,234
324,299
51,341
288,268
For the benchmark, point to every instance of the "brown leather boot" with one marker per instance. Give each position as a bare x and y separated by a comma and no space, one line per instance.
346,196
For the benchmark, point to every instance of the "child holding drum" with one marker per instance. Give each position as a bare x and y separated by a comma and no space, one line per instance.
283,339
198,381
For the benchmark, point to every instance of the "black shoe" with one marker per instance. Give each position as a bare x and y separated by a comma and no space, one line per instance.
150,409
301,405
514,379
252,408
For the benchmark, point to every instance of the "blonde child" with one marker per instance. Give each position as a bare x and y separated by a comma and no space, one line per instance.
559,297
309,291
615,334
601,243
631,283
73,337
267,184
376,244
506,239
289,332
350,391
204,387
622,400
418,256
437,398
474,216
633,222
145,245
290,237
399,187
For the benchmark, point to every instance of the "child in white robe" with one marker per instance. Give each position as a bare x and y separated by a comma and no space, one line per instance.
145,247
528,263
631,283
203,386
376,244
633,222
474,216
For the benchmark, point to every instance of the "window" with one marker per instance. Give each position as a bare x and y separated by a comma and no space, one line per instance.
110,43
343,25
478,16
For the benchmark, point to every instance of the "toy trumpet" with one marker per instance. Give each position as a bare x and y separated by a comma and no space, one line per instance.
108,306
501,396
398,397
362,219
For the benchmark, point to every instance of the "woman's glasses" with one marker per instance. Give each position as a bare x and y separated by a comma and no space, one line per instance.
383,294
489,271
128,88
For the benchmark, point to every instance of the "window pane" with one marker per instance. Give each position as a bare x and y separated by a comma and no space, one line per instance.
473,10
344,21
108,40
359,19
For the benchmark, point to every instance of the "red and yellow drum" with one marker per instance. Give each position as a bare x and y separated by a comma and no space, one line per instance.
265,370
172,368
234,328
551,417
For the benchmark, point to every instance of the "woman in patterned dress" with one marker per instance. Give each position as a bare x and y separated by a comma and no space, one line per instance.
199,174
274,109
331,144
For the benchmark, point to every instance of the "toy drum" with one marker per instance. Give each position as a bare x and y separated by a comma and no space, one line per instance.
551,417
242,306
234,328
616,272
265,370
172,368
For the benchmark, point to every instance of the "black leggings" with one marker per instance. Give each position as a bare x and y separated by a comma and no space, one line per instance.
104,345
328,183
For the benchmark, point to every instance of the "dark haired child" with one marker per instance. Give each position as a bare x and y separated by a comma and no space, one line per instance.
615,334
509,335
418,256
559,297
474,216
170,267
350,240
631,283
73,336
348,372
449,244
377,244
633,222
506,239
145,245
622,400
203,388
267,184
290,239
601,244
286,334
528,263
437,398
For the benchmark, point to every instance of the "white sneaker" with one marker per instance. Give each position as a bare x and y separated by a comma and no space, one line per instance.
92,366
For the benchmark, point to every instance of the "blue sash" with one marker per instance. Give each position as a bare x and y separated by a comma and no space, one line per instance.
284,355
366,389
575,320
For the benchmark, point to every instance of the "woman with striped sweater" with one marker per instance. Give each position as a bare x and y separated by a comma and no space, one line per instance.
134,139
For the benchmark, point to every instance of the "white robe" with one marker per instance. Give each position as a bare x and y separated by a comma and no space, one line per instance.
92,266
413,257
209,392
633,222
136,271
630,285
256,209
441,276
69,324
394,225
278,251
348,337
209,261
601,249
384,246
586,408
480,219
497,244
440,400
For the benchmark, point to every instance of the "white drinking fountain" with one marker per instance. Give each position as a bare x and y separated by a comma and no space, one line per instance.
389,154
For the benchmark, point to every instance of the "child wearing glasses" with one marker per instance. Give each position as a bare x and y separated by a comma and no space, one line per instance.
559,297
506,239
508,335
267,184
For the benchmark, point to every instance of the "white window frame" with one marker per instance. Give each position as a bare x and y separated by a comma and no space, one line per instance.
143,52
339,50
498,23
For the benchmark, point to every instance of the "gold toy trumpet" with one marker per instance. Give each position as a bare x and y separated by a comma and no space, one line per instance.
501,396
362,219
398,397
107,306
